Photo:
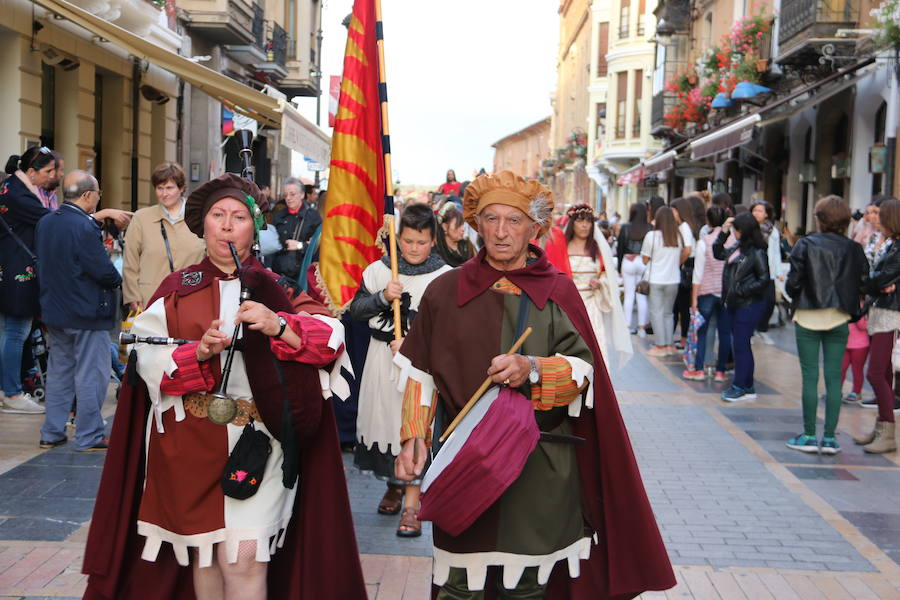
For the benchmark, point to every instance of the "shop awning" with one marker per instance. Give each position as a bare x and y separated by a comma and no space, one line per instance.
633,175
233,94
728,137
300,135
771,116
659,162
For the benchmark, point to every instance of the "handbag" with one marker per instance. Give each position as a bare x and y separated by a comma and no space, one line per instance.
246,464
643,286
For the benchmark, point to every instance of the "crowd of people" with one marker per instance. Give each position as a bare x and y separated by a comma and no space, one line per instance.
239,366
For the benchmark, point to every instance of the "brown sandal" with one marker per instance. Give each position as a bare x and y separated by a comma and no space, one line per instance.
391,501
410,521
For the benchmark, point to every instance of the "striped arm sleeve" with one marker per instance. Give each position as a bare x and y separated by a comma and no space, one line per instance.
416,417
190,375
321,340
557,388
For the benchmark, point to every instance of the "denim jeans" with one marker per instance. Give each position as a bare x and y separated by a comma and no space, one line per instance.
712,309
13,332
79,366
743,322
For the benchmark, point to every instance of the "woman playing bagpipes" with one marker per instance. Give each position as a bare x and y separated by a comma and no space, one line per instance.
238,493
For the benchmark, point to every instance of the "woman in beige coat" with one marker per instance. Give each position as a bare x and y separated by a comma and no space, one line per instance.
158,240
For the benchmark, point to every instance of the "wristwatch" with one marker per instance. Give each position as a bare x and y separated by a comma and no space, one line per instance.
282,322
534,375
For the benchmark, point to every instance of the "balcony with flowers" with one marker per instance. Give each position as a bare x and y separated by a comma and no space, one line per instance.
741,57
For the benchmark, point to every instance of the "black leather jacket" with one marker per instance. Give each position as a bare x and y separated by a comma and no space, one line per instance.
827,271
745,279
885,273
624,245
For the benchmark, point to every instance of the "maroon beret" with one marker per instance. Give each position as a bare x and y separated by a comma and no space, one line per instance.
228,185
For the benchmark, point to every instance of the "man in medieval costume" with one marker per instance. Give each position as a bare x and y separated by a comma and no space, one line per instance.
576,523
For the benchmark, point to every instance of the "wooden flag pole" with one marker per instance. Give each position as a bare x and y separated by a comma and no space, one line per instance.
482,389
386,153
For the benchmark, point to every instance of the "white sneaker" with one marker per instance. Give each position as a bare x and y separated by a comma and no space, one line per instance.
23,405
642,333
766,338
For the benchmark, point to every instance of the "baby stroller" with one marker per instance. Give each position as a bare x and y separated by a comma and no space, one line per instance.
34,362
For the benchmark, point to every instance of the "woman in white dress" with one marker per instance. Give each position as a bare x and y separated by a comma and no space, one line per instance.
586,257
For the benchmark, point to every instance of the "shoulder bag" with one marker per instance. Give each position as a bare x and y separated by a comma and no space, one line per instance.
643,286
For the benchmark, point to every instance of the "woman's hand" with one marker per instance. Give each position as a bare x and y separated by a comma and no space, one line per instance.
726,226
395,345
594,284
889,289
135,307
258,318
212,342
393,291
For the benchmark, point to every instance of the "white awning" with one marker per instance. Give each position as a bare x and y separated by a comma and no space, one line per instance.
734,134
659,162
300,135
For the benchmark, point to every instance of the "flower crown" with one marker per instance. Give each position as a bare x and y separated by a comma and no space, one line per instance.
581,211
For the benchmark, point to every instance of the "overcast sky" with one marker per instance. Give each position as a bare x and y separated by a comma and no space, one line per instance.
461,75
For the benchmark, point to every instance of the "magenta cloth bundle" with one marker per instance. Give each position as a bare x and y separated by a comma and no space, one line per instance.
479,460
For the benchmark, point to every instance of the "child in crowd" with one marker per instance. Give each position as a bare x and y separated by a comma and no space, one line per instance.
378,422
855,356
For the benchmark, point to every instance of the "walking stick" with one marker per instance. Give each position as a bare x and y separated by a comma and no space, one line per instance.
482,389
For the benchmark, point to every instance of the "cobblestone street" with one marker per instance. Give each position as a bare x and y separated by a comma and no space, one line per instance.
742,516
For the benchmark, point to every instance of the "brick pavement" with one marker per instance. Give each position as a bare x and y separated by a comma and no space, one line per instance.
742,517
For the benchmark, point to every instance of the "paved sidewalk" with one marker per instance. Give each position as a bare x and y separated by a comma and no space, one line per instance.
743,516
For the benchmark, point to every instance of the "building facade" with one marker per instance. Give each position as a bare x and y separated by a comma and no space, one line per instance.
622,114
117,102
66,89
801,111
566,171
524,151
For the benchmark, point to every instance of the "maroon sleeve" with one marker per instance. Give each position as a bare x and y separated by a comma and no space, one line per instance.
191,374
314,335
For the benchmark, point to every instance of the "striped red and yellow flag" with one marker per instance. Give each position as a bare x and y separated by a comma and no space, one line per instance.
357,190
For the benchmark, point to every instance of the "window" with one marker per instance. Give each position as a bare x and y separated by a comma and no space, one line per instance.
290,9
642,7
638,95
600,120
621,100
48,105
624,18
603,45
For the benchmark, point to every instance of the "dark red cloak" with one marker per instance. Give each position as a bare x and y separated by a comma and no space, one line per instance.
631,557
319,559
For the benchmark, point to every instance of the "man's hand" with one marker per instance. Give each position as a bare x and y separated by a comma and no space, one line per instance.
393,291
135,306
509,369
212,342
293,245
258,318
889,289
411,461
395,345
120,217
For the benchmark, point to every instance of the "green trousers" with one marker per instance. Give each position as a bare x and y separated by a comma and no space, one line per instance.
457,587
833,343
